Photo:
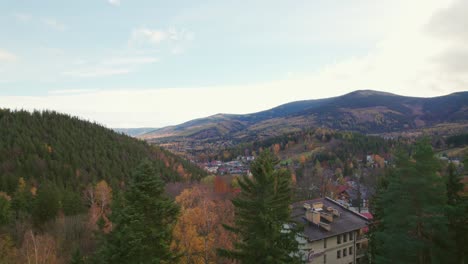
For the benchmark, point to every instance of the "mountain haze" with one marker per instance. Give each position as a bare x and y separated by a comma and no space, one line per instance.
134,132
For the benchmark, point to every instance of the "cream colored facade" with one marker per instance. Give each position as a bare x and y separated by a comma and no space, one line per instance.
334,250
332,233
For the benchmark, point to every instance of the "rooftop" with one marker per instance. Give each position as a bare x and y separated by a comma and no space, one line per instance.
346,221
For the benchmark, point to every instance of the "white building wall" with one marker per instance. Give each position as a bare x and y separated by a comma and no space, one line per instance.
315,251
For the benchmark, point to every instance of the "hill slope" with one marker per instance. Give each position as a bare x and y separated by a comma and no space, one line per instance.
134,132
362,111
70,153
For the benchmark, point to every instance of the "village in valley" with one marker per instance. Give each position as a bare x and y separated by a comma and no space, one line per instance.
348,191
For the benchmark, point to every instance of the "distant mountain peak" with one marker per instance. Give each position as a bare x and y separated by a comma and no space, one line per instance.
365,93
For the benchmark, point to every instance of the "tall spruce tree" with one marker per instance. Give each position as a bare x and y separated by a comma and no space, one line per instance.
262,216
457,212
143,220
412,211
378,213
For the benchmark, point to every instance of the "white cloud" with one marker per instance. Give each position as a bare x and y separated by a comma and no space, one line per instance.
114,2
72,91
449,26
109,66
49,22
96,72
450,22
176,39
54,24
143,35
180,35
22,17
130,60
7,56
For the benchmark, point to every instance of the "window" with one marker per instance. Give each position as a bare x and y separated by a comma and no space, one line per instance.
345,238
345,252
358,245
350,236
338,254
350,250
325,243
325,258
338,239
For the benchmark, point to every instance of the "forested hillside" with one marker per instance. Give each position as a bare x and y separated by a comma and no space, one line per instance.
69,152
58,178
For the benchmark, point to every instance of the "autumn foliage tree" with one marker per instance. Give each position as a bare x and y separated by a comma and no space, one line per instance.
8,251
39,248
198,231
220,186
99,198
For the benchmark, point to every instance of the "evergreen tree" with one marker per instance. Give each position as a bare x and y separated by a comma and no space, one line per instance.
22,201
457,213
262,216
71,203
143,220
46,204
77,258
5,211
377,225
412,212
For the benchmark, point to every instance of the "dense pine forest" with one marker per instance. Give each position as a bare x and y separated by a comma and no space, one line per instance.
70,153
58,175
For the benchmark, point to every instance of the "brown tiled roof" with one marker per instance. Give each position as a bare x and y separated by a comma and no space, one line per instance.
346,222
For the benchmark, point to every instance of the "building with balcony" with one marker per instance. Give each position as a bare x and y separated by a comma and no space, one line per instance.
332,233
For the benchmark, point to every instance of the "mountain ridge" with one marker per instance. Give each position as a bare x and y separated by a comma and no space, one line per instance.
365,111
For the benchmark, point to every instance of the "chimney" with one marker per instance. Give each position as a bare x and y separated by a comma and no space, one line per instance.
313,216
333,211
315,212
327,216
336,212
318,205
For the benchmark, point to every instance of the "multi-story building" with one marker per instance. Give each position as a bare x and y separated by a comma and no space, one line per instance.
332,233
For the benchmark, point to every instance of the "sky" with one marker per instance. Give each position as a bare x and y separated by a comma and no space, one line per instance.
148,63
